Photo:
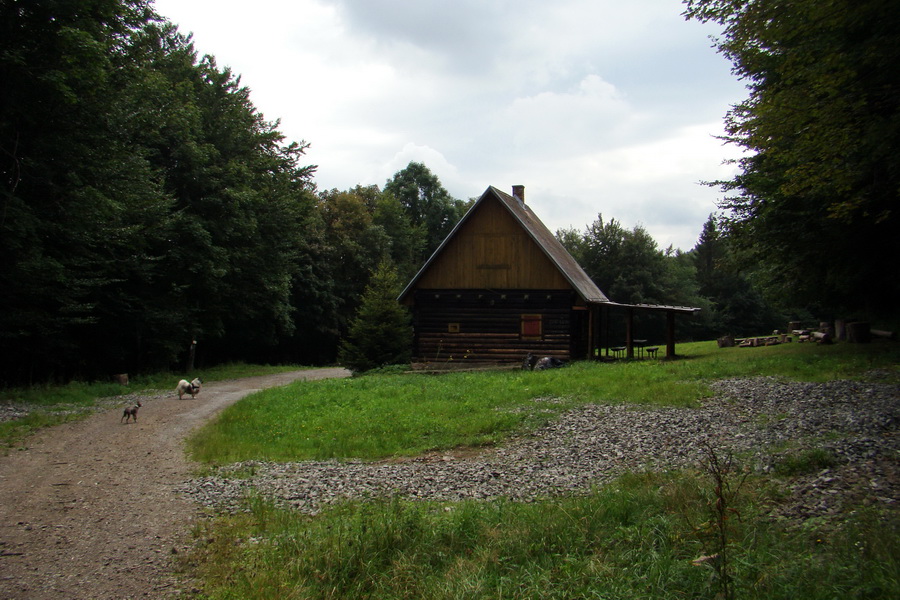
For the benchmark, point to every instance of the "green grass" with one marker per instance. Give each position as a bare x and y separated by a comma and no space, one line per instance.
55,404
633,539
383,415
801,362
378,416
805,461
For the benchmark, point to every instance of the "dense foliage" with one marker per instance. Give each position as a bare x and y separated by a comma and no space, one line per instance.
146,203
431,209
735,305
813,209
630,268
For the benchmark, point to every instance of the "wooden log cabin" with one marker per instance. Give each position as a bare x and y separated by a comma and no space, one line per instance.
501,285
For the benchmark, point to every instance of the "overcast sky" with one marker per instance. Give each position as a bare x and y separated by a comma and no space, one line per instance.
596,106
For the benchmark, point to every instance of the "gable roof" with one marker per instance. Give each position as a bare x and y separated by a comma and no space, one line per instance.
538,232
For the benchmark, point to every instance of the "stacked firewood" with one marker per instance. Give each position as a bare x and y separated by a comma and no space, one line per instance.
826,333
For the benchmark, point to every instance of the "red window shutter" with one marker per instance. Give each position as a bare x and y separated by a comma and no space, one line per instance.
532,326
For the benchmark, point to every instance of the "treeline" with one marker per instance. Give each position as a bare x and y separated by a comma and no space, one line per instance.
145,200
146,204
813,211
629,267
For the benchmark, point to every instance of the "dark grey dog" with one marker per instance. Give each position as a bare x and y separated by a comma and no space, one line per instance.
130,413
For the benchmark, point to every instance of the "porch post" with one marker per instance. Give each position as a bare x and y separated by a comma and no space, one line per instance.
670,334
606,336
629,328
591,334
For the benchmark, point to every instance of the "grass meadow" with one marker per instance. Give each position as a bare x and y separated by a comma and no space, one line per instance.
393,414
648,535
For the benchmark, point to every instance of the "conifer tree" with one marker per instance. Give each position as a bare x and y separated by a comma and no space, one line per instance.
381,332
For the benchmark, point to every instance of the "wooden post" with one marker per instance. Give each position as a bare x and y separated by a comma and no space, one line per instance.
191,352
608,319
840,330
590,333
629,333
670,334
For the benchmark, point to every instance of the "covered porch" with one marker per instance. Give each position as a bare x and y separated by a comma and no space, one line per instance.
614,334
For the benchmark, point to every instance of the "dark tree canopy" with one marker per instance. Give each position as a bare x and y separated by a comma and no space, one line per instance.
145,201
355,245
735,307
815,203
626,264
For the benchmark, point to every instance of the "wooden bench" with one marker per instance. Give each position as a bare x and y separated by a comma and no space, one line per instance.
651,352
618,351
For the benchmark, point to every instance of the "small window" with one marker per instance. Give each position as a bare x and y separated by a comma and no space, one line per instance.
532,327
452,327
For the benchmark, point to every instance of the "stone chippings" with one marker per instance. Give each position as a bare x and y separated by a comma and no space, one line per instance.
757,419
13,411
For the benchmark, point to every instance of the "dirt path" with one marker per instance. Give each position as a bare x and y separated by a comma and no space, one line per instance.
89,510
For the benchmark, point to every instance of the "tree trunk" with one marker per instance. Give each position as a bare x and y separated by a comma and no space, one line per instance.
859,332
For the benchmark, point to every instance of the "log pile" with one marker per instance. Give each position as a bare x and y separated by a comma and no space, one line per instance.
819,337
777,337
826,333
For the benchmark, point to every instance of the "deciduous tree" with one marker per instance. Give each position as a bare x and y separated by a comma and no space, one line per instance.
145,201
814,206
429,206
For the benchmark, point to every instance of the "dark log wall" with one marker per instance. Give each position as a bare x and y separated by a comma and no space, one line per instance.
486,325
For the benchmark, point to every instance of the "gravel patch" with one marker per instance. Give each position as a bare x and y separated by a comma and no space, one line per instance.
13,411
759,419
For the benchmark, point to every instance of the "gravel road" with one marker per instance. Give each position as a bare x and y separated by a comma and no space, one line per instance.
90,510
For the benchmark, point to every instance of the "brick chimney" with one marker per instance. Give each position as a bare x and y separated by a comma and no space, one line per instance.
519,193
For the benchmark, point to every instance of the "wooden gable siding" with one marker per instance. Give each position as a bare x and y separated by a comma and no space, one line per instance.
492,251
487,325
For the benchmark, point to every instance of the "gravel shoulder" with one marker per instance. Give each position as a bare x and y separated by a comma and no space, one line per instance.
92,510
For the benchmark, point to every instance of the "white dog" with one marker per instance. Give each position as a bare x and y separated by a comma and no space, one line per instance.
188,387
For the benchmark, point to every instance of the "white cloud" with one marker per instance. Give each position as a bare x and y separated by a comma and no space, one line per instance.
561,125
594,105
412,152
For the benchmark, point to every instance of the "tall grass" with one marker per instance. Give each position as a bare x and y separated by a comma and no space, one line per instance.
633,539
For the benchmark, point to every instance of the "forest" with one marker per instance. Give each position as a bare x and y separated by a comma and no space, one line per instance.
148,206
